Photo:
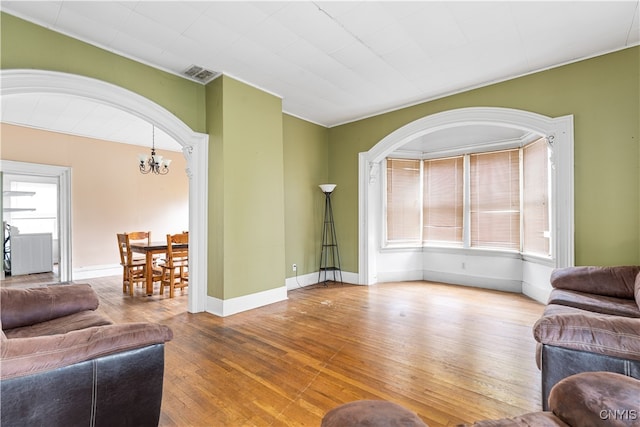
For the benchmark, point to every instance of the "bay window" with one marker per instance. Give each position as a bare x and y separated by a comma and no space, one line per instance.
494,200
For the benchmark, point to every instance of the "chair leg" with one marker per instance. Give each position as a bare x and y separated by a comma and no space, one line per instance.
172,279
130,283
164,272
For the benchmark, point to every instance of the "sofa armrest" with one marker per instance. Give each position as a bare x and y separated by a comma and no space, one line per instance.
24,307
616,281
597,398
602,334
25,356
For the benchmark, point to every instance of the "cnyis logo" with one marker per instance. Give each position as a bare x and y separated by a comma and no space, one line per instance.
619,414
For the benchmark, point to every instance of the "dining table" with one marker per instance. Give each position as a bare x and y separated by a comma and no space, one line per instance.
151,249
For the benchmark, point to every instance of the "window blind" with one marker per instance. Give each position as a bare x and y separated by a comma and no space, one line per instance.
535,200
403,199
495,199
443,188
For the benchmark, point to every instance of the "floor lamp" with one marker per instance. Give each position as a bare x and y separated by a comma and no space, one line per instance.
329,253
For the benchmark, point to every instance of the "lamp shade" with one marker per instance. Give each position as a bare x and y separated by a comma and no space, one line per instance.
327,188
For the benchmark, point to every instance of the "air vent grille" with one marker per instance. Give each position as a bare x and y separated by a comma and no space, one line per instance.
200,74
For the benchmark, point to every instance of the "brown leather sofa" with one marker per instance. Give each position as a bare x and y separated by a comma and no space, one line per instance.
64,364
591,323
587,399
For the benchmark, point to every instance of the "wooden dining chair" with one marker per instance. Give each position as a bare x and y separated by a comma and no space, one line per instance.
175,268
143,237
133,269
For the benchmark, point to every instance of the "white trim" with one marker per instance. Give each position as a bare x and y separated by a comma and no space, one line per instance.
231,306
370,183
297,282
195,148
94,271
496,284
63,175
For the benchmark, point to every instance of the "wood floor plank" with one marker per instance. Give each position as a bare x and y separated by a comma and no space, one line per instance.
452,354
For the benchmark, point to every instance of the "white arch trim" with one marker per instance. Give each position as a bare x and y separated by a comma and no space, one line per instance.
194,147
560,131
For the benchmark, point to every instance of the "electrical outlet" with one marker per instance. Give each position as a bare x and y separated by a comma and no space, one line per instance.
294,267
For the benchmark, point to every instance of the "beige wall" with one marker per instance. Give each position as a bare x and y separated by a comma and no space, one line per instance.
108,193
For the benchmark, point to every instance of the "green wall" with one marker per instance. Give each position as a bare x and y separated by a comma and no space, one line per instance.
246,173
26,45
305,167
215,224
602,94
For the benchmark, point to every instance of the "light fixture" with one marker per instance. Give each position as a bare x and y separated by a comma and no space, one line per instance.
155,163
327,188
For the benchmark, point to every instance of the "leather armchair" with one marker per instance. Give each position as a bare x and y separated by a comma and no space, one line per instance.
64,364
591,323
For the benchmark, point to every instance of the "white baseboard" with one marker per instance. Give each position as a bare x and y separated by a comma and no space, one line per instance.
94,271
536,292
231,306
505,285
400,276
309,279
301,281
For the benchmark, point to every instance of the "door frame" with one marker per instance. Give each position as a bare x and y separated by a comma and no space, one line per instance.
63,177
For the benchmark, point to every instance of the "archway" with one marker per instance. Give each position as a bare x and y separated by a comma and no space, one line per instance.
559,132
194,147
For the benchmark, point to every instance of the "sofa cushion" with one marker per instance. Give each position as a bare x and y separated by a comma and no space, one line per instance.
533,419
25,356
615,281
596,303
637,291
60,325
24,307
597,398
371,413
614,336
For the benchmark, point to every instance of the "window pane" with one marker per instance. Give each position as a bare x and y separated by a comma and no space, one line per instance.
403,199
495,199
442,210
535,214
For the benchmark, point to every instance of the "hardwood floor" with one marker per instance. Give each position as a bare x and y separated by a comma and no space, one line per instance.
451,354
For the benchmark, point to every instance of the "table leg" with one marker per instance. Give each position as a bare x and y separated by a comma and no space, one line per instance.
149,273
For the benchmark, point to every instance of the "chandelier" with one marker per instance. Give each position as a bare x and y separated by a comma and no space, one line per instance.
155,163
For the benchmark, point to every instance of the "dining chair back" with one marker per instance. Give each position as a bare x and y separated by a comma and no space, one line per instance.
133,269
175,269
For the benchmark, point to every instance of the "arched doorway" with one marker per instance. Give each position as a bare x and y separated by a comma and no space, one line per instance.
559,132
194,147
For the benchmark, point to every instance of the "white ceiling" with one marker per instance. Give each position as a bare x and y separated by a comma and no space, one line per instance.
333,62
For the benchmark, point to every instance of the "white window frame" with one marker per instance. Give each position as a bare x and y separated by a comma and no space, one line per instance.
466,205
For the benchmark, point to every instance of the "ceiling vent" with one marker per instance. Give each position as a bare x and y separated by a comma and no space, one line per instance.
200,74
